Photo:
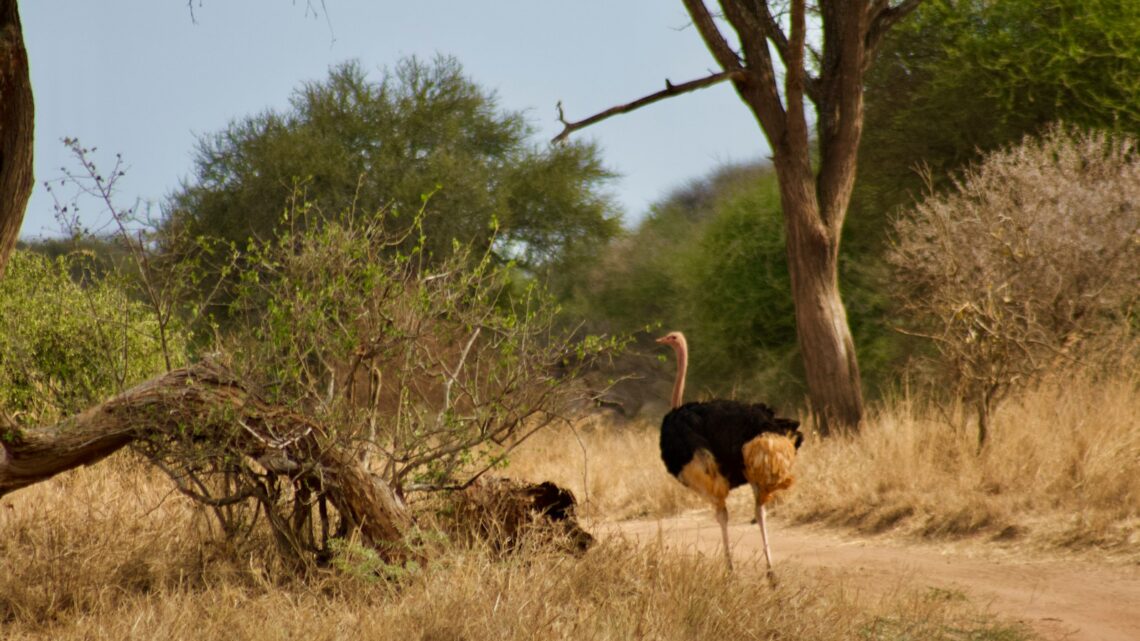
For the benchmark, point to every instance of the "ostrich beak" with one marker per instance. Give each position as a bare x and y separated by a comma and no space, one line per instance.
660,340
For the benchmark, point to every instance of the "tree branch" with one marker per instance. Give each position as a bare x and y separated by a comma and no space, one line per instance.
762,92
883,17
719,47
670,90
795,73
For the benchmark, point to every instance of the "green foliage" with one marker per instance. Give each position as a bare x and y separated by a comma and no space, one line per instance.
350,144
739,299
434,369
963,77
709,260
368,565
66,345
102,254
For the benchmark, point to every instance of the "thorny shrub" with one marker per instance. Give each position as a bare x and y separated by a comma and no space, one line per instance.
432,369
1028,265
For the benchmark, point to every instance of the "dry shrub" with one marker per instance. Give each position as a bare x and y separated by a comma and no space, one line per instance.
1027,266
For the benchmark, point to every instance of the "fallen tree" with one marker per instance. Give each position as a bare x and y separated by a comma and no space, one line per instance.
261,450
201,418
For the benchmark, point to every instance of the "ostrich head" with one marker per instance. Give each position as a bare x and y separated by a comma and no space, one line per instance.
676,340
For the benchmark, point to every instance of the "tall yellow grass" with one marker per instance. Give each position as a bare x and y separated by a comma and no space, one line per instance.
615,471
1062,469
108,554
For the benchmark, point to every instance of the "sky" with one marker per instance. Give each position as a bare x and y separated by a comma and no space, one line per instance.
146,79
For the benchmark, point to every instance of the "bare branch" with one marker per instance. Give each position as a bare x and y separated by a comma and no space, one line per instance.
669,91
795,72
454,374
719,47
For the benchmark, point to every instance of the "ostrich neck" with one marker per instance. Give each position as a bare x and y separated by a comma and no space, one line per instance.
679,384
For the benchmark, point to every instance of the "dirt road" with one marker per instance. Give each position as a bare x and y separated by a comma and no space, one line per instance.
1061,599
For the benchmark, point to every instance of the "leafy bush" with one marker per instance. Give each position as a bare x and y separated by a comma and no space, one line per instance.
739,303
65,345
433,370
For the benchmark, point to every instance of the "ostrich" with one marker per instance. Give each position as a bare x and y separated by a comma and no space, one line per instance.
714,446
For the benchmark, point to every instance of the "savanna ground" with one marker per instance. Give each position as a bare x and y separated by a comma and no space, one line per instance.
111,552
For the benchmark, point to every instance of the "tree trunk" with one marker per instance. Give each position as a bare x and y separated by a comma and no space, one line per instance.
827,348
204,407
16,129
814,207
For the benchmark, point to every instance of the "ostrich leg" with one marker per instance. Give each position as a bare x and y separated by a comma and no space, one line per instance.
762,521
722,520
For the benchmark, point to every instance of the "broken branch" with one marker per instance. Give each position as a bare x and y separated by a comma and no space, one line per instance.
669,91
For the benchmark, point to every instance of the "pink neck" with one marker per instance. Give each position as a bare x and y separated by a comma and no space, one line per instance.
682,365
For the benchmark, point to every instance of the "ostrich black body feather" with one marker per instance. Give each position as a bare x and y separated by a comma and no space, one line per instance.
721,427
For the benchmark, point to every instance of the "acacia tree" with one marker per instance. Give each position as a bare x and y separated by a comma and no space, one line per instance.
770,38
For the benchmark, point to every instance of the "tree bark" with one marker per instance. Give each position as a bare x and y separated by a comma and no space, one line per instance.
826,345
205,404
16,129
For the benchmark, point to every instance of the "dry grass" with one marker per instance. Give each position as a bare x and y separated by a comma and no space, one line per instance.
1062,470
614,471
105,553
110,553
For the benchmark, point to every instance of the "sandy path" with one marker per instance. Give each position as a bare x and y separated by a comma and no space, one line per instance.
1061,599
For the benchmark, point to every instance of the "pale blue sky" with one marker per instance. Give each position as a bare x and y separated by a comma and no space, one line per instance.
138,77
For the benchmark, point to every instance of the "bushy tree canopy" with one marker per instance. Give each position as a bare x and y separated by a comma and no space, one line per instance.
708,260
351,144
